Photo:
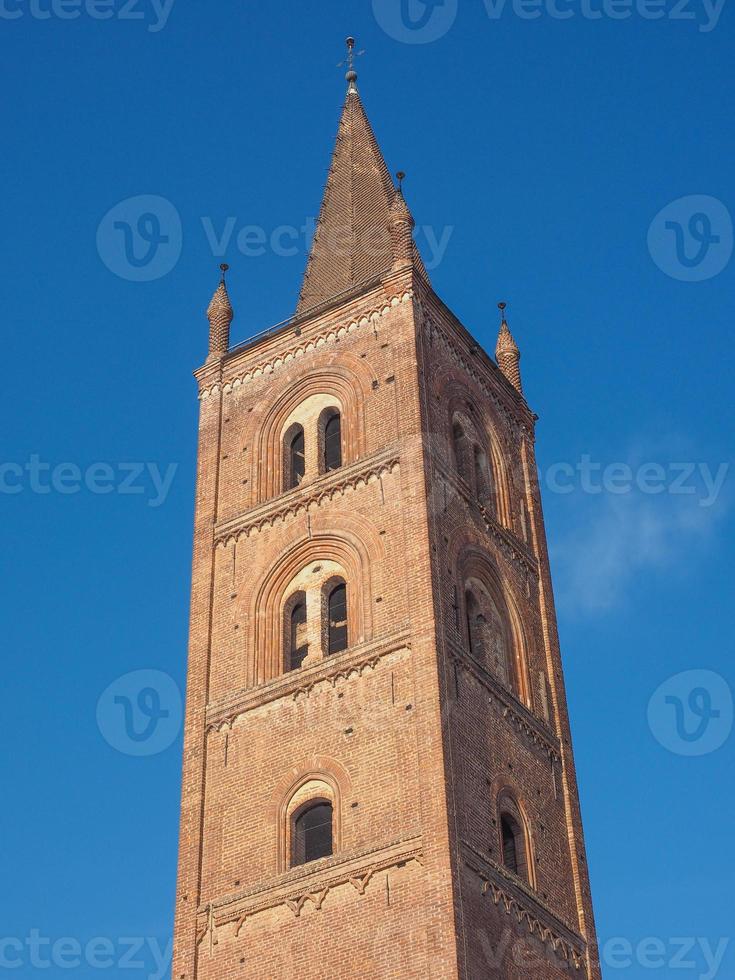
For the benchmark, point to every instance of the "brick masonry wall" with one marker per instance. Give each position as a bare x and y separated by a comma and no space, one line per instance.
408,738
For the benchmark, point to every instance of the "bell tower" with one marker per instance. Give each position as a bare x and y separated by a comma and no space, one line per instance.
378,774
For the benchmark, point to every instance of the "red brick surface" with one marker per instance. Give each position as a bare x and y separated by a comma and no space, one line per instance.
412,739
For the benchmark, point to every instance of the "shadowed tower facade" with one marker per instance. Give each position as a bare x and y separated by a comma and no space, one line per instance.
378,774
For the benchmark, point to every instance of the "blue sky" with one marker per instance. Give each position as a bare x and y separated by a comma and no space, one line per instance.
539,150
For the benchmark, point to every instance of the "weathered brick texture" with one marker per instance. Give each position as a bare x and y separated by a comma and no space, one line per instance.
436,726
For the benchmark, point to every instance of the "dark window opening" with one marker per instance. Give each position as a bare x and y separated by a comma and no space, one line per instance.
337,612
514,855
298,646
312,834
475,623
296,463
462,452
333,442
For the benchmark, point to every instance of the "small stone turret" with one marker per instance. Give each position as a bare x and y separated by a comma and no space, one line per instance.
507,354
220,315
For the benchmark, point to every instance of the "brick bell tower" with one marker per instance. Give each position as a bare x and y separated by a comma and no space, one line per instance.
378,773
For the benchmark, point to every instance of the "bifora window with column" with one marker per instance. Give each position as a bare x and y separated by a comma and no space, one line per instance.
315,622
312,447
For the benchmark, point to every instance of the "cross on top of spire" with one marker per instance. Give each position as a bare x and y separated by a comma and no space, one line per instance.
351,75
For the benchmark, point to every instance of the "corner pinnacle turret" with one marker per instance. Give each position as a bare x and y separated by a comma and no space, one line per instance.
507,353
220,315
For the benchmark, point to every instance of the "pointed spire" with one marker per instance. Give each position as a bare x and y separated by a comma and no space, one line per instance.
507,353
353,243
220,315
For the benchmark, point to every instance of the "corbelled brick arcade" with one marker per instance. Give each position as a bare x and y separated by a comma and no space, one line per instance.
378,772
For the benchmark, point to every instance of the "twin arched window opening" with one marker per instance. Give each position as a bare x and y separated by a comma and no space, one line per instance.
472,463
333,624
487,633
329,434
312,833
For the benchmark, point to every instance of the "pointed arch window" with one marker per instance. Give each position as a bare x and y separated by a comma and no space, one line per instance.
510,852
295,461
487,632
462,452
475,623
483,478
513,842
337,618
332,440
297,644
312,836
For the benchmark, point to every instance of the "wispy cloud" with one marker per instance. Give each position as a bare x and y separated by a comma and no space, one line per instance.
608,541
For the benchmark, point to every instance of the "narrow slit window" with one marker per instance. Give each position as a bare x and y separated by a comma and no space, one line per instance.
337,612
296,459
298,646
333,442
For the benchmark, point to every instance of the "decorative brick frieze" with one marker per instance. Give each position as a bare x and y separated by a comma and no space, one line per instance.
523,720
306,884
353,662
509,543
329,335
513,897
300,500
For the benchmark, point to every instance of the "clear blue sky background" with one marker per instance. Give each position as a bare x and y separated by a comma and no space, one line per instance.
547,146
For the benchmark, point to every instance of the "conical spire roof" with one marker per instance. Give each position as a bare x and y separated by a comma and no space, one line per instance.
352,244
220,305
507,354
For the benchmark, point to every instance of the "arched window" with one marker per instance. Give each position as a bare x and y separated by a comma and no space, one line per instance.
297,644
462,452
483,476
295,458
312,835
513,845
486,632
337,618
332,440
475,622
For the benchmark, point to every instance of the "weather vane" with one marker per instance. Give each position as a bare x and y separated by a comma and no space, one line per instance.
350,60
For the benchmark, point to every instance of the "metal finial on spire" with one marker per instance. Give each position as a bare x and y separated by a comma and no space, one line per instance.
501,307
400,177
351,75
224,268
